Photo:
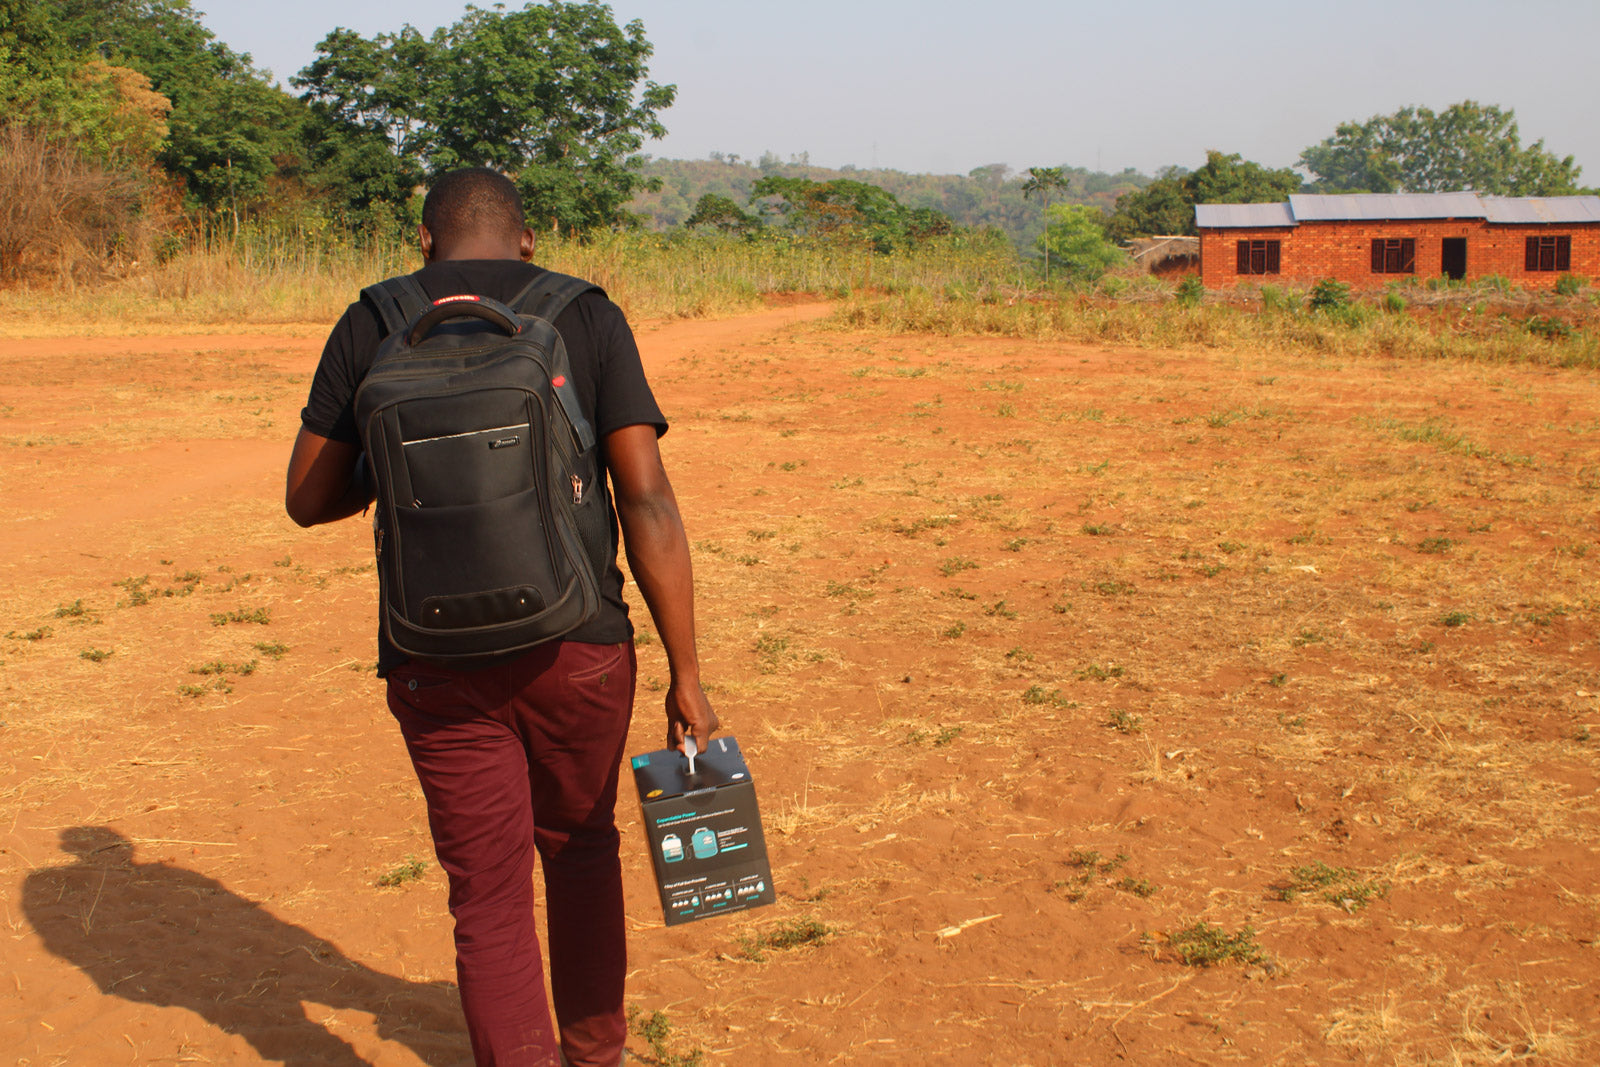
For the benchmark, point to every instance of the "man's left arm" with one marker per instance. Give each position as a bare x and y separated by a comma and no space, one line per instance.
658,556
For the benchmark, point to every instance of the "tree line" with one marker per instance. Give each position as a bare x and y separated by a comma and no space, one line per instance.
987,197
136,98
125,120
1467,146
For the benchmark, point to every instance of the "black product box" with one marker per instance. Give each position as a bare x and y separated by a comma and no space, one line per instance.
704,829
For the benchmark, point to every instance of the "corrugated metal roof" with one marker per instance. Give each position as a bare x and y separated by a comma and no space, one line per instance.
1383,207
1377,207
1241,216
1541,209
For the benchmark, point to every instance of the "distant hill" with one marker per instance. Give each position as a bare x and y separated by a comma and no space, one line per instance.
987,196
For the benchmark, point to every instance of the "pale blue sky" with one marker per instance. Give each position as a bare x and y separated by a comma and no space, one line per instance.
943,87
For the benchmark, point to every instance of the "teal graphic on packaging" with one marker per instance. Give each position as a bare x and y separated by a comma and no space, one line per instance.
706,844
672,848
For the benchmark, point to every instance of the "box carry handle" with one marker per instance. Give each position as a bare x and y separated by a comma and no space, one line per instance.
454,307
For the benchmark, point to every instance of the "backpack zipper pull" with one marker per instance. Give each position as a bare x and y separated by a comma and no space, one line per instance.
577,489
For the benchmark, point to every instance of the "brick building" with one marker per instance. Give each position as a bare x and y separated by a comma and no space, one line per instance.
1372,239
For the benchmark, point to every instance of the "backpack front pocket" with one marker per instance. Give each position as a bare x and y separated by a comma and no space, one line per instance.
473,560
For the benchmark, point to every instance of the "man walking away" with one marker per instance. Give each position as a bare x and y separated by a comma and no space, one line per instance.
519,753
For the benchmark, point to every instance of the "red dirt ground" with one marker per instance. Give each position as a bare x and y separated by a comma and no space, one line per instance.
1041,654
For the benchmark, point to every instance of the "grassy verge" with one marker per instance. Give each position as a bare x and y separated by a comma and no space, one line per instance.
304,276
1482,324
960,285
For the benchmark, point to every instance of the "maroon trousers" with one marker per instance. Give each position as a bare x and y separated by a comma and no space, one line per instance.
516,758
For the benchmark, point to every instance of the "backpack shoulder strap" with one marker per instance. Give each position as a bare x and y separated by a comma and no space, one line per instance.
397,300
548,295
544,298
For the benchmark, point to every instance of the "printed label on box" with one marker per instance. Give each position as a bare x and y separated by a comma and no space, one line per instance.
706,844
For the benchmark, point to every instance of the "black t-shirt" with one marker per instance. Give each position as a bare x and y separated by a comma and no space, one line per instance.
606,372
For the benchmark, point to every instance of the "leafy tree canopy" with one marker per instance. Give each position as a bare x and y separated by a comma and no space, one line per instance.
989,198
1166,205
107,113
1467,146
554,94
228,130
1042,181
1075,238
30,38
1162,207
844,208
722,212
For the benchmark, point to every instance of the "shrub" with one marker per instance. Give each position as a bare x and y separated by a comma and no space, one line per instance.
1393,302
1189,291
1204,945
1113,285
59,211
1330,295
1548,327
1274,298
1569,285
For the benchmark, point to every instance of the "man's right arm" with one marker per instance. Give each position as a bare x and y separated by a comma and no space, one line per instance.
327,480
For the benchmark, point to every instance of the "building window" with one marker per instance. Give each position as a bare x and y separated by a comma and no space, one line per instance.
1258,257
1549,253
1394,255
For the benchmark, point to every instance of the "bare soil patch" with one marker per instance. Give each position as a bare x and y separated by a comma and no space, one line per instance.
1061,669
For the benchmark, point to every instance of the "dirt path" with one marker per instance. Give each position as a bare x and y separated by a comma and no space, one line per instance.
1055,665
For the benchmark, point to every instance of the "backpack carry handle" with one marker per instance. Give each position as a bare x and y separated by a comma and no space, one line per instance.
454,307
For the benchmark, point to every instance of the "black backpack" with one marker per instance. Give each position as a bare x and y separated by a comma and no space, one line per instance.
491,524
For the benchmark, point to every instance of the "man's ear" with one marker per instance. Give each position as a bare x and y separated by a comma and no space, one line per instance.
526,244
425,242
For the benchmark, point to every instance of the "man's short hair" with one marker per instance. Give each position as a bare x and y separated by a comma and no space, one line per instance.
472,200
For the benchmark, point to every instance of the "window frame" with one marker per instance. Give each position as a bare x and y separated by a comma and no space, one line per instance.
1394,255
1265,251
1552,248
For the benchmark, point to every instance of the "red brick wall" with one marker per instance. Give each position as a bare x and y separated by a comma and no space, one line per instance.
1343,250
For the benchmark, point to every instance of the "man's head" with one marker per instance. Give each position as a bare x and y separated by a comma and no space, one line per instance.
474,213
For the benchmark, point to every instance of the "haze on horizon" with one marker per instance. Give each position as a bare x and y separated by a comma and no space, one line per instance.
940,87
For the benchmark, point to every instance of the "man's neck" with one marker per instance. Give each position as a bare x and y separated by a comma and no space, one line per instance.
475,252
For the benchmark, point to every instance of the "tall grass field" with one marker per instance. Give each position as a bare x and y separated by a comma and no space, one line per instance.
962,284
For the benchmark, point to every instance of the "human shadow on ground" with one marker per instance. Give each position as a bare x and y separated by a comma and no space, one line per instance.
160,934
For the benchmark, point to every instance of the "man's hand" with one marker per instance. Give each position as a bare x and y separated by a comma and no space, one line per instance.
689,712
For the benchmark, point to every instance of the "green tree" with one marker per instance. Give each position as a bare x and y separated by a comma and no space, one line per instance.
1041,182
554,94
1075,235
358,176
229,130
1162,207
365,122
1230,179
31,48
923,223
230,139
714,209
1166,205
1467,146
107,113
846,209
